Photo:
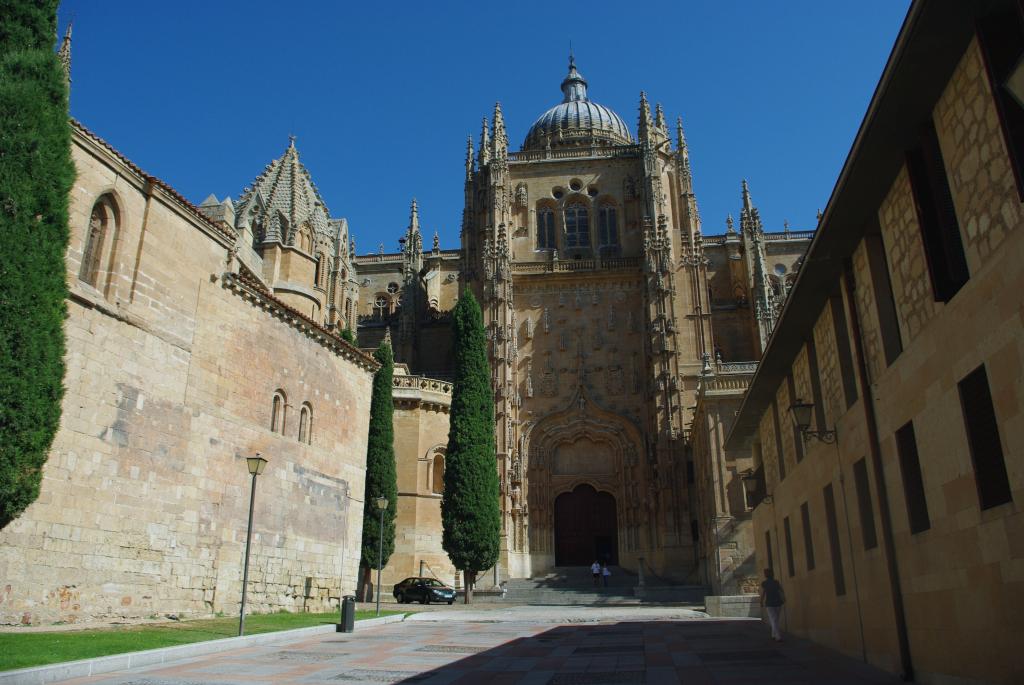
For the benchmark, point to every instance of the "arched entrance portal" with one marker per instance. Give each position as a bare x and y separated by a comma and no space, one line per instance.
585,527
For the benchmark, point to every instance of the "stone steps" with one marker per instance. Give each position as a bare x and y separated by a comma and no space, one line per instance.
575,586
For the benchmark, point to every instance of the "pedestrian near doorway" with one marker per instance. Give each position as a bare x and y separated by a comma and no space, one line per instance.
772,599
605,574
595,570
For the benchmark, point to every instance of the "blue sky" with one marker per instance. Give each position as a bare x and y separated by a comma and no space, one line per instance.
381,96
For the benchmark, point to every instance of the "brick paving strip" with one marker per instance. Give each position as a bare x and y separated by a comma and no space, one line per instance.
525,647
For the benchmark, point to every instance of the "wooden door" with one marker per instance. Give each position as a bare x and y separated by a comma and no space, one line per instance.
585,528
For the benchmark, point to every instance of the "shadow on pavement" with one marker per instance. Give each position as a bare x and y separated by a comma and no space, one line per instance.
701,651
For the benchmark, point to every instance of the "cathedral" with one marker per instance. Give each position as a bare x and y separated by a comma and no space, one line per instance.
606,309
621,340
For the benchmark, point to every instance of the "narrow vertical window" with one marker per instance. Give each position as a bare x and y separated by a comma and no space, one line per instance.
885,303
306,424
438,475
838,577
95,238
1001,37
842,333
577,226
805,521
913,483
545,229
277,411
815,374
790,567
778,441
768,546
319,276
867,512
608,227
940,230
983,439
798,437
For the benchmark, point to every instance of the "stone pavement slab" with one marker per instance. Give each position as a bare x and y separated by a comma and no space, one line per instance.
525,647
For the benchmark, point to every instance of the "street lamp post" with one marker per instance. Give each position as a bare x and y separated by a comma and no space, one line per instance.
382,504
256,465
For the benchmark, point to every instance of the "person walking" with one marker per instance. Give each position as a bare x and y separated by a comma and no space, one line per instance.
605,574
772,599
595,570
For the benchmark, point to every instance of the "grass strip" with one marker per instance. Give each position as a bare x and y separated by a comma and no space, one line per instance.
22,650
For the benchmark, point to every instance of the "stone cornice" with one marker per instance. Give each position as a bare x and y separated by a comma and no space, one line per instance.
251,290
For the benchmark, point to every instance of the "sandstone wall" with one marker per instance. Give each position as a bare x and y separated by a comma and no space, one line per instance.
171,370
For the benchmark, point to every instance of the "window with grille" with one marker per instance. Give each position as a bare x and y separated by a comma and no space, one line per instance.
545,229
577,226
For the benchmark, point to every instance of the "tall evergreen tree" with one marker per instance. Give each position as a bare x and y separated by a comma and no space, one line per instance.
470,517
381,477
36,173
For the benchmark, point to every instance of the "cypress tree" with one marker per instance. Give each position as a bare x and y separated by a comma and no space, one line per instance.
470,517
381,478
36,173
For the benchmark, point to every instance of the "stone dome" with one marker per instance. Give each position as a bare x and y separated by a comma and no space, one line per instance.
577,121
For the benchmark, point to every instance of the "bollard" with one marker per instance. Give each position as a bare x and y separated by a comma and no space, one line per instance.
348,615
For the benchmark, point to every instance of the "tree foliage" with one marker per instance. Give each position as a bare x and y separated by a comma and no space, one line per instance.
36,174
470,515
381,477
348,336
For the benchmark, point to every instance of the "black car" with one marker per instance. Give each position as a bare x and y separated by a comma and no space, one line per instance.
426,590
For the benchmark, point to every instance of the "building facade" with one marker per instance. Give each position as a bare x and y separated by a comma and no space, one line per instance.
196,339
885,420
604,305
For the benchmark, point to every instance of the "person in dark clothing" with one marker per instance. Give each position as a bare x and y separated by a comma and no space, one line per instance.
772,599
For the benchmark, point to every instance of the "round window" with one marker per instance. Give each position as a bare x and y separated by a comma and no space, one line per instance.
558,193
592,191
575,184
392,288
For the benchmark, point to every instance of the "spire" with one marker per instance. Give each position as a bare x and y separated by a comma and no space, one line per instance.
660,119
64,54
645,125
574,86
747,204
414,218
500,138
469,158
485,145
681,137
750,218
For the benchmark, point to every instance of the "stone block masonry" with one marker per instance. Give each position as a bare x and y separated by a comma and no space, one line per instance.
172,366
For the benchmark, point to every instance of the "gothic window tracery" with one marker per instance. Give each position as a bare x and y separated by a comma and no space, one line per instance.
577,226
380,305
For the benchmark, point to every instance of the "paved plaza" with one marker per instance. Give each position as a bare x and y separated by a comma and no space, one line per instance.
528,646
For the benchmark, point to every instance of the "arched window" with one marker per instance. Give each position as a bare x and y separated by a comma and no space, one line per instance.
545,229
380,305
98,232
277,412
577,226
306,424
320,277
437,475
608,227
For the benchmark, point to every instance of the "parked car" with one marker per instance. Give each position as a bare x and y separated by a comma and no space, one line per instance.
425,590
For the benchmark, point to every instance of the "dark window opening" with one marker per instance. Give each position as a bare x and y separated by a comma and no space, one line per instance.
545,229
805,521
789,547
940,230
798,437
778,441
768,546
1002,42
983,439
867,512
885,303
913,482
812,362
842,333
838,577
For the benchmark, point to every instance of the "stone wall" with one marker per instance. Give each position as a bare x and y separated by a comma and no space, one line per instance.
171,371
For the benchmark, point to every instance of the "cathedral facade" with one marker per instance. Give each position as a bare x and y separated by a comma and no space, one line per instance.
606,308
